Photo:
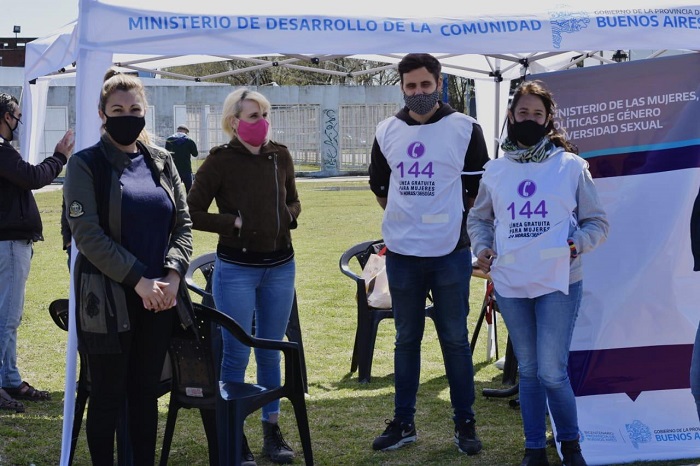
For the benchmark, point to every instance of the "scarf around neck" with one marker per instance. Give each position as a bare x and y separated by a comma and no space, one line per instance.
537,153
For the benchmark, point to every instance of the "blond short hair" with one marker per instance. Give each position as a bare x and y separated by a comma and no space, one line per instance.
233,107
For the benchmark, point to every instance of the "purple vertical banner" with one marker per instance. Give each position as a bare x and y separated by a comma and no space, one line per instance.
638,126
632,118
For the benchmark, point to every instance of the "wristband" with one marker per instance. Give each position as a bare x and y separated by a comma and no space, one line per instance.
572,249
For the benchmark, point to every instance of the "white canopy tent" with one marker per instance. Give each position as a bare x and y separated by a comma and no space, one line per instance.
484,42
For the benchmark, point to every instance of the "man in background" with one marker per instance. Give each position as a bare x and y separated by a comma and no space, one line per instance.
182,148
20,227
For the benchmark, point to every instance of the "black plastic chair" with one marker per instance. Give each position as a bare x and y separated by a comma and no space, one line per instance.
193,356
195,384
195,359
202,265
239,399
368,318
201,269
58,310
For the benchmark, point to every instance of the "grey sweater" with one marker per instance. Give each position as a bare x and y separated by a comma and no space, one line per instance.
592,222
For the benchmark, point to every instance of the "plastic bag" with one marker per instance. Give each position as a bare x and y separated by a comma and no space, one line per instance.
376,281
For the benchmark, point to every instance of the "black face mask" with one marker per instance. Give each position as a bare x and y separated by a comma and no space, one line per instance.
14,132
125,129
528,132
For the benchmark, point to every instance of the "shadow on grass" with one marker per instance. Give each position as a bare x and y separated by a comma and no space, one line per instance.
345,416
350,381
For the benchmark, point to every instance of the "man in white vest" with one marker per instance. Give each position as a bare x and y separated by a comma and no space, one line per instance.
419,158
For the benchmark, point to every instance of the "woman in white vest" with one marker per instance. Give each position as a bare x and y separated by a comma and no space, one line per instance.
536,212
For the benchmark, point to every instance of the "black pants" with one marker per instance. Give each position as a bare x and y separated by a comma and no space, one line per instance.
187,181
132,375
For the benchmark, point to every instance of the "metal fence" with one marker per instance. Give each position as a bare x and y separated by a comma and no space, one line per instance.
301,129
358,123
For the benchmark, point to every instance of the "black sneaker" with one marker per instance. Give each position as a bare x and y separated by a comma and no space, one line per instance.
466,439
396,435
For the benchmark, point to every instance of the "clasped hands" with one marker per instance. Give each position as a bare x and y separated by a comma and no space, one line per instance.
159,294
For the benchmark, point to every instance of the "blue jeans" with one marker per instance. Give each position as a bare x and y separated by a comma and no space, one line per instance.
447,277
15,258
695,371
266,293
540,330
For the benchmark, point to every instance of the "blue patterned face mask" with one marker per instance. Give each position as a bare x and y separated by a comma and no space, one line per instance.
421,104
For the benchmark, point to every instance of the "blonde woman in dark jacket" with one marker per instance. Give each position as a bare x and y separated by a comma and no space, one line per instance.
127,211
252,180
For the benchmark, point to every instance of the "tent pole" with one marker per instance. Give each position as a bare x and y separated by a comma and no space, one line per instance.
498,78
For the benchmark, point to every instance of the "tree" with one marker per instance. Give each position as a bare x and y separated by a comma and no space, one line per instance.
285,71
346,71
460,93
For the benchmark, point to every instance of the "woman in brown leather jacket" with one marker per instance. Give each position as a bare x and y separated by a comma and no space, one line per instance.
252,180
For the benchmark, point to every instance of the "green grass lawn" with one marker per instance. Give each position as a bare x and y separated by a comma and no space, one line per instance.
344,415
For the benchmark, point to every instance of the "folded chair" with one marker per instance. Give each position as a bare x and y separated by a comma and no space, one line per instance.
58,310
368,317
239,399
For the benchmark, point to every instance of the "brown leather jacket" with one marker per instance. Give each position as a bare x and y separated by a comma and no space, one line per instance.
259,188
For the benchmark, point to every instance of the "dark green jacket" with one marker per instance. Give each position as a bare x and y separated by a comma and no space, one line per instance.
103,267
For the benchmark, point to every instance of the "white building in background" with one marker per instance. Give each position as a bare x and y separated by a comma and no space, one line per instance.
328,129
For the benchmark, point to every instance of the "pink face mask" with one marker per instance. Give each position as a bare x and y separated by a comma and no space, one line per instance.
253,133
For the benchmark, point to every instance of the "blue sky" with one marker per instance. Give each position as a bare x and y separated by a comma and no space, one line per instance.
37,18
